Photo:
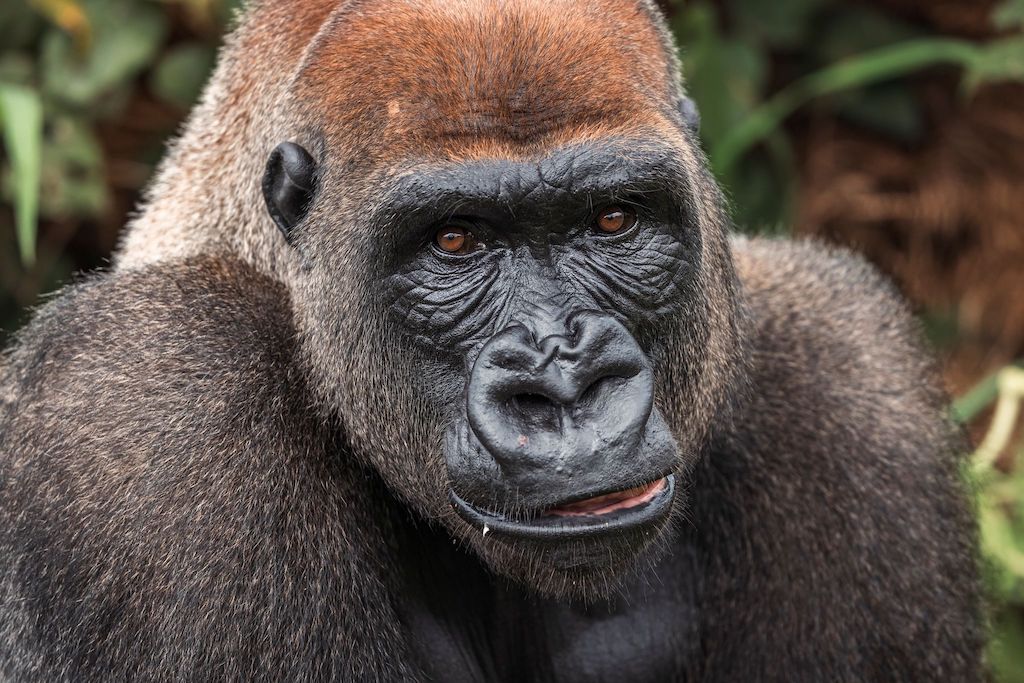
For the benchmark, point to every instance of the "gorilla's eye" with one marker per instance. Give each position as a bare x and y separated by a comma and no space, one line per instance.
615,218
454,239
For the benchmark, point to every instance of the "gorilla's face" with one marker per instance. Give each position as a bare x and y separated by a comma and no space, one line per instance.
517,292
509,340
540,285
533,282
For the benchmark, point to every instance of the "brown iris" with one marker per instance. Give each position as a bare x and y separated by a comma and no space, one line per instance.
614,218
454,239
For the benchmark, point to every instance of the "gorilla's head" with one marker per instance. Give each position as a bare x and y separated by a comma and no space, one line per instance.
516,297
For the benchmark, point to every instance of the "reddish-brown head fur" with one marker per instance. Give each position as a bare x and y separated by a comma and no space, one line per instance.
481,77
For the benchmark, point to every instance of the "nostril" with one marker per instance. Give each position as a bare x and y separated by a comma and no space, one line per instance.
531,402
536,411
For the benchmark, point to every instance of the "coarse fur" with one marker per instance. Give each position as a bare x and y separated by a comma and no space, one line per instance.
223,459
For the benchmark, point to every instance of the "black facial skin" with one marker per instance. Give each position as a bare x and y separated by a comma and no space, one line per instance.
543,322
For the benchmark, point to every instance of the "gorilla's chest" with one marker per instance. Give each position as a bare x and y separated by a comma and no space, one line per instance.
641,636
471,630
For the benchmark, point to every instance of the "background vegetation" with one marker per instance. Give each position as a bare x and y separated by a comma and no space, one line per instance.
893,127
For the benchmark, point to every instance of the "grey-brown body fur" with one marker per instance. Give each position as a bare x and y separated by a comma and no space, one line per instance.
181,497
172,509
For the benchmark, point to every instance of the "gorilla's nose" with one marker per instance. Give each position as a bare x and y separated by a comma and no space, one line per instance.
575,402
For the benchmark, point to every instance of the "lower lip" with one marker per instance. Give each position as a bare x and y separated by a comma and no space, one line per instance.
612,502
650,505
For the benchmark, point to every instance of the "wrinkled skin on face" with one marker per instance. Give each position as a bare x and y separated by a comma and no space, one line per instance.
544,389
541,319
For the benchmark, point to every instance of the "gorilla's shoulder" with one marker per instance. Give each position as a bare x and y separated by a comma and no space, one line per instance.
830,311
135,347
834,346
174,311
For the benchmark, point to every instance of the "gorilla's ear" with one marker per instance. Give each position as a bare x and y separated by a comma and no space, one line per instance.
288,185
688,108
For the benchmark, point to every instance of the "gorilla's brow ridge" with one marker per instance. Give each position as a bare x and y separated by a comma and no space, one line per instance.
608,170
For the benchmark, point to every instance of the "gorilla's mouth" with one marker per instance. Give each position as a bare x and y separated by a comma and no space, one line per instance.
610,502
600,515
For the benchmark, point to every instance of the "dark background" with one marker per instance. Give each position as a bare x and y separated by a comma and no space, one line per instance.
892,127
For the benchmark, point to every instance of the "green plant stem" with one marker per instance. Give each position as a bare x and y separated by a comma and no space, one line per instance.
1000,432
981,396
872,67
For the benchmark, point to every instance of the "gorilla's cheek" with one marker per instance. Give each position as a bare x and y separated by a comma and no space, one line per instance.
643,281
449,309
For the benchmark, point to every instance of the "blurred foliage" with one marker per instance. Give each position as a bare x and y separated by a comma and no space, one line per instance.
998,477
70,72
91,89
851,53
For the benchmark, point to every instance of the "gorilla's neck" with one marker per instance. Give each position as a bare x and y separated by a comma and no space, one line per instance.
472,625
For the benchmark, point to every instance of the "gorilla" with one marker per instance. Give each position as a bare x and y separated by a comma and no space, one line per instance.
431,357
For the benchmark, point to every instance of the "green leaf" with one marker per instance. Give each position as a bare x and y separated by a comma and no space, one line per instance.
1001,60
17,68
180,75
1000,541
762,189
981,396
941,327
779,23
888,108
725,77
126,37
874,67
1009,15
1006,649
850,30
74,183
19,25
22,117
